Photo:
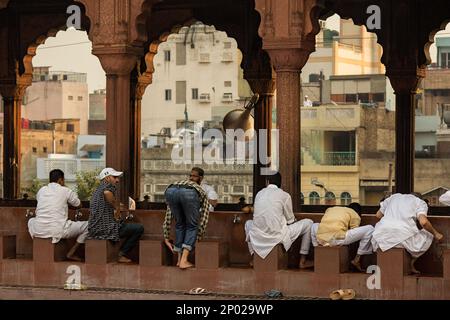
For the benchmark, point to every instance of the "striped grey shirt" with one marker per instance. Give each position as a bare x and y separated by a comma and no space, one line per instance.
102,225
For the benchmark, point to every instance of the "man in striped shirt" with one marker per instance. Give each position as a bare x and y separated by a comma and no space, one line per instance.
188,203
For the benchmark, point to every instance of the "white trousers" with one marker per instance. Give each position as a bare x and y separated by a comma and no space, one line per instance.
362,234
76,229
418,244
301,228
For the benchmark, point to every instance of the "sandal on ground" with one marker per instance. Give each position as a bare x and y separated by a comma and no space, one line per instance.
198,291
344,294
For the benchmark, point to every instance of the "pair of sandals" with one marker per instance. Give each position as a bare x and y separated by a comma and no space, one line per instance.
198,291
343,294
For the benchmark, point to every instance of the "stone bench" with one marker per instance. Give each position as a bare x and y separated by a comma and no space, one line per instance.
46,251
331,260
276,260
211,254
446,263
394,263
154,253
101,251
8,247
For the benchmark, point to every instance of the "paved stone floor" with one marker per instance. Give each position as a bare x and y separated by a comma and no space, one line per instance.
54,293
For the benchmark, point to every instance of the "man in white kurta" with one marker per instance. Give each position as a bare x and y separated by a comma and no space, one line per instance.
274,223
211,194
397,228
51,219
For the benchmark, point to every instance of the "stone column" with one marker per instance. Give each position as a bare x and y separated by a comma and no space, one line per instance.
263,120
405,84
287,64
120,116
12,128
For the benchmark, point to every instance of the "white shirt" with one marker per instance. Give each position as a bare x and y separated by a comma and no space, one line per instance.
52,211
307,103
400,213
210,192
271,214
445,198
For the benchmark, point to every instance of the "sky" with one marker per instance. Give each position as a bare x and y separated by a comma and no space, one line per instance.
71,51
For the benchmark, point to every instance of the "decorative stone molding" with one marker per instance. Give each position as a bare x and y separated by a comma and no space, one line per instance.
4,4
117,22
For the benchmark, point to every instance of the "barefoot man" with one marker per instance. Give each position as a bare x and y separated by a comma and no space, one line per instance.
340,226
188,203
274,223
397,227
52,214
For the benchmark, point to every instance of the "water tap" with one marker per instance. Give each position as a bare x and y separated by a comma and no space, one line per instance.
30,214
78,214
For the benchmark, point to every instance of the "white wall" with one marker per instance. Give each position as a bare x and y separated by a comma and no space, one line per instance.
157,112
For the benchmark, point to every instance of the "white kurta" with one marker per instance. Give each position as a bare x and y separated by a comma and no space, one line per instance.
210,193
51,219
398,226
271,215
445,198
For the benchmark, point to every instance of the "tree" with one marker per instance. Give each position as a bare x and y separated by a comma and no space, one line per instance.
87,182
34,188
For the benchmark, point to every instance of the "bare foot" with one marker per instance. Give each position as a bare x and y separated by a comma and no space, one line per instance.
305,265
357,265
185,265
123,259
414,270
73,258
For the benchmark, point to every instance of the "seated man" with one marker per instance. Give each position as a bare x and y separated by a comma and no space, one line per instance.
274,223
105,222
339,227
51,219
397,227
209,190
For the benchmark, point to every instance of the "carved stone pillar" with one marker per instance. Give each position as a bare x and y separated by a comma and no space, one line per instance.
263,120
405,84
118,33
12,100
287,64
120,117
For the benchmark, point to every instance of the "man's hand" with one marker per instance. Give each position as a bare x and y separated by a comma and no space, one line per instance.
117,215
169,245
439,237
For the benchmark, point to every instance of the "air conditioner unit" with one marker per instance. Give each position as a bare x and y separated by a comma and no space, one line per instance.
204,58
204,98
227,97
227,57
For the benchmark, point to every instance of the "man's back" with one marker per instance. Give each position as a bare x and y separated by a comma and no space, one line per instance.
52,210
272,209
403,207
335,223
52,202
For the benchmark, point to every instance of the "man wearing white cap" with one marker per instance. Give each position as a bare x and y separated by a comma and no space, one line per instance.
105,222
307,102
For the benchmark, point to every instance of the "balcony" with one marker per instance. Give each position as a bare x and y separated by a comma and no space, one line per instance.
331,117
339,158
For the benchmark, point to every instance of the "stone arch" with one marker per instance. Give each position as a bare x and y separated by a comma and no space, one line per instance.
431,36
41,39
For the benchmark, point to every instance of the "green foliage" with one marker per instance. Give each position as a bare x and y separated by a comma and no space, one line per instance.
34,188
87,182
